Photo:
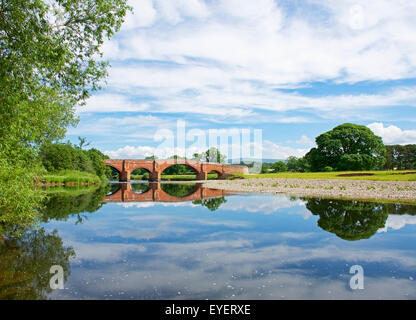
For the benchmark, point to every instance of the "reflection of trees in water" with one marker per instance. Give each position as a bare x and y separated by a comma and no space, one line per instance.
63,204
349,219
212,204
179,190
140,187
113,188
397,208
25,263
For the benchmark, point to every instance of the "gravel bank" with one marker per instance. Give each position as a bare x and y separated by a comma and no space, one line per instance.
400,191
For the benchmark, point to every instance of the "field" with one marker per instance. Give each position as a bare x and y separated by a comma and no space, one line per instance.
353,175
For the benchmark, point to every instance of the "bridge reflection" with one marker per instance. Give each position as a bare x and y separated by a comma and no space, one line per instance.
155,193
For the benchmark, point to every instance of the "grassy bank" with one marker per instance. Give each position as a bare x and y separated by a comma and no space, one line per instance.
408,175
69,177
74,190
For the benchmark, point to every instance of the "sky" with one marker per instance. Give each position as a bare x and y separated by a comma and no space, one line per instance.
290,69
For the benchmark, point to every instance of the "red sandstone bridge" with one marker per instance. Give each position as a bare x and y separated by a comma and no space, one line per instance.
155,167
156,194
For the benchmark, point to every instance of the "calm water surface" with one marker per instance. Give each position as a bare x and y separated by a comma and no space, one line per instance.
155,245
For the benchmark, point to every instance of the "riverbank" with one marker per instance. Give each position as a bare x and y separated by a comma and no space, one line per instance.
390,191
69,178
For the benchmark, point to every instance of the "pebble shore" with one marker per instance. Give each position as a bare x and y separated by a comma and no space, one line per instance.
400,191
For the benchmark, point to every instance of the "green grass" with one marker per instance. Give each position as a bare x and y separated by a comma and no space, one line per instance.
378,175
70,177
71,190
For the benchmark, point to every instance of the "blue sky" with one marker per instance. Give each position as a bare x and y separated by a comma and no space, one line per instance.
293,69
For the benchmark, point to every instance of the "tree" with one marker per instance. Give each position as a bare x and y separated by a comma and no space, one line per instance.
279,166
50,61
83,142
400,157
298,164
65,156
211,155
347,147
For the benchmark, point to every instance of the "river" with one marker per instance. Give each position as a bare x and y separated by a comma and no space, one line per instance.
181,241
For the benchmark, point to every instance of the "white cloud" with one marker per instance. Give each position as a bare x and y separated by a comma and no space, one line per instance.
265,43
228,58
126,152
108,102
305,141
272,150
266,149
257,204
392,134
397,222
213,91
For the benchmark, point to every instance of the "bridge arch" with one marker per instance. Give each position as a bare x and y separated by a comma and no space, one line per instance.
143,172
188,166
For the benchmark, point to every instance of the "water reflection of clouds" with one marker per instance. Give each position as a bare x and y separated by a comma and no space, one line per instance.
181,252
259,203
397,222
231,269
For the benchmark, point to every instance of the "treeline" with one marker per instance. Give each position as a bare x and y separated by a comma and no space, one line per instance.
56,157
400,157
397,158
349,147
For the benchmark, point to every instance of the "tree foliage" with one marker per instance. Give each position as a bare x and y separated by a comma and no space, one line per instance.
279,166
50,61
65,156
211,155
347,147
400,157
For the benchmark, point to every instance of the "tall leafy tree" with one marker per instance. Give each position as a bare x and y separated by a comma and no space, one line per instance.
50,61
347,147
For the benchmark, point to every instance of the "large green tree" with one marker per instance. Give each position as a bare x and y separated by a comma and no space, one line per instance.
50,61
347,147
